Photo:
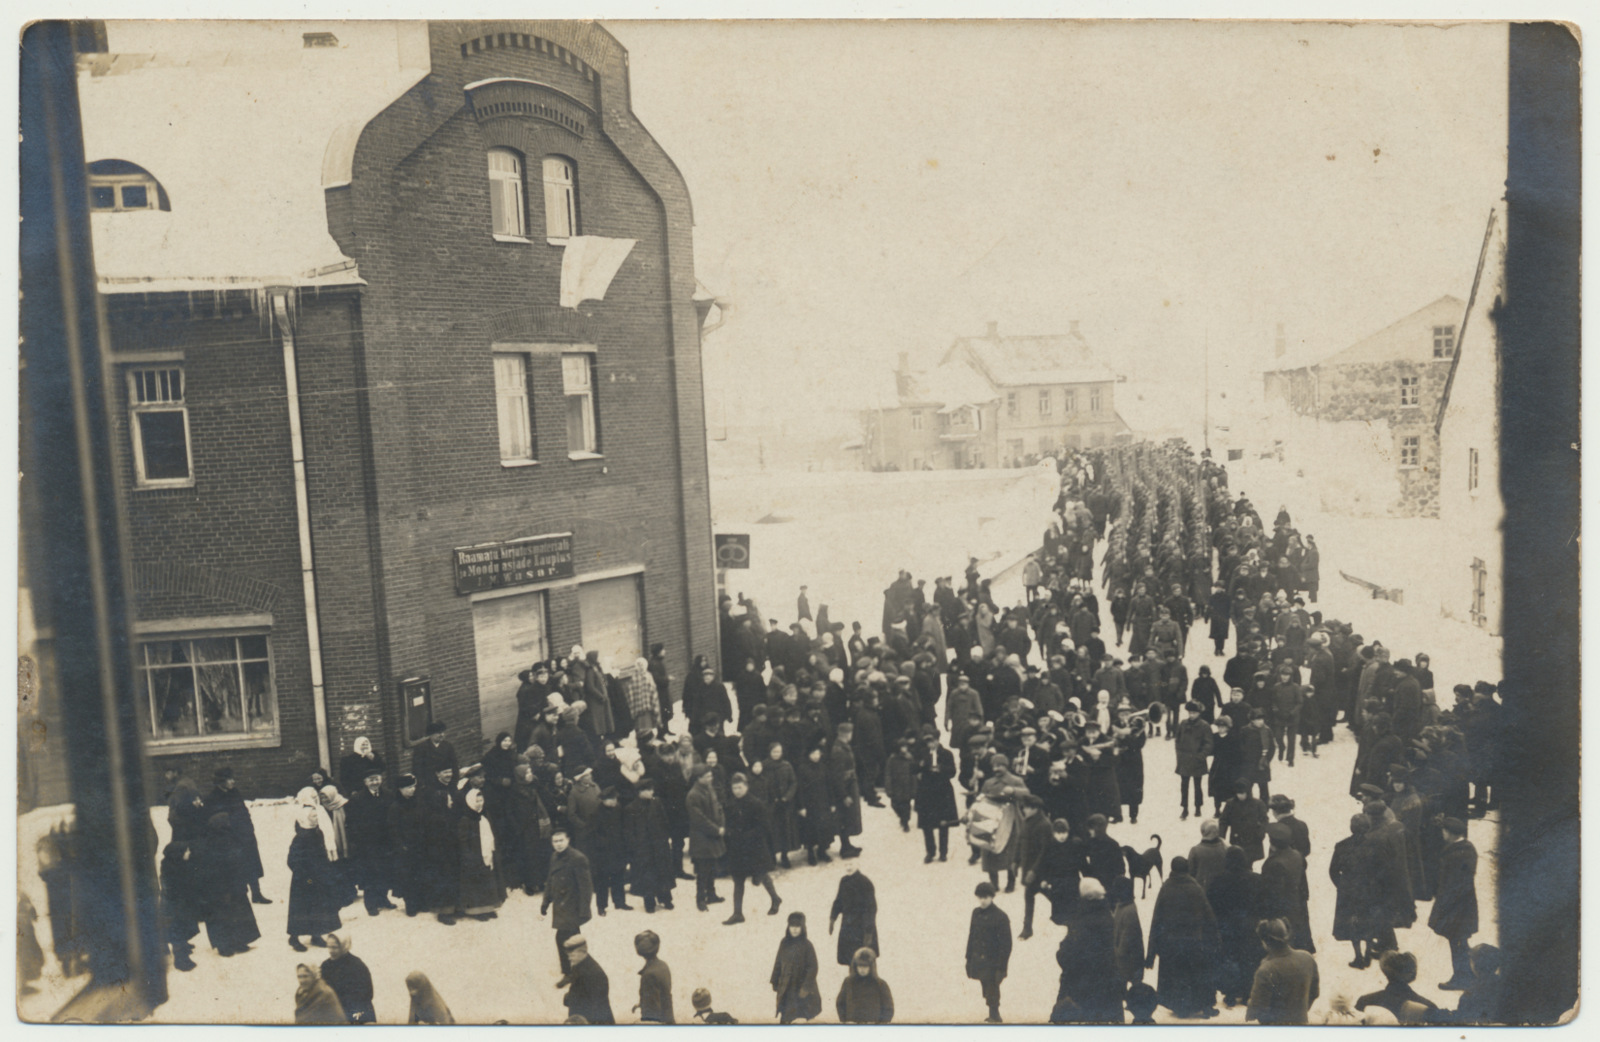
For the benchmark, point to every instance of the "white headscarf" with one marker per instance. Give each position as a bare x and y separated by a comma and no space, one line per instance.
363,746
474,800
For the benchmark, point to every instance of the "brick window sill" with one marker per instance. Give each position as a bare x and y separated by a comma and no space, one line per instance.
211,743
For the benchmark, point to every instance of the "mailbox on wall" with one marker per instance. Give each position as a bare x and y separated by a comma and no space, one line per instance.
416,701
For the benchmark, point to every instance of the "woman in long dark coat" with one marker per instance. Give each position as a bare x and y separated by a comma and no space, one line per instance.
781,785
439,864
525,852
1130,764
794,974
814,806
749,843
935,797
479,891
313,892
230,921
652,868
856,903
1235,899
1183,935
1091,988
1104,795
226,797
1353,869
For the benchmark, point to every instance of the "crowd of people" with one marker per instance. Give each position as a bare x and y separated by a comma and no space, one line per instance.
1021,726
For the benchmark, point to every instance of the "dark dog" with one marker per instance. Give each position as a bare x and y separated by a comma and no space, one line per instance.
1141,865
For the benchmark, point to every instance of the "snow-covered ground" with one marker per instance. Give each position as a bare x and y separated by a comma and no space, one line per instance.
846,539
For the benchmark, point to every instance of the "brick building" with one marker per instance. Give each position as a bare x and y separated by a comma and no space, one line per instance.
996,401
408,377
1364,417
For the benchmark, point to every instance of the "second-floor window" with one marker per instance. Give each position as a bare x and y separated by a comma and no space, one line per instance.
1013,409
916,419
1472,470
577,383
1094,400
513,408
1072,401
160,427
1044,402
560,198
1444,341
507,197
1410,390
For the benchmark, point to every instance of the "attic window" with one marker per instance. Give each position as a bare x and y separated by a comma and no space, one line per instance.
320,40
116,186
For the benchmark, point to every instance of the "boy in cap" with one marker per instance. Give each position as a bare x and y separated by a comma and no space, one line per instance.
702,1008
588,989
989,948
1455,904
655,981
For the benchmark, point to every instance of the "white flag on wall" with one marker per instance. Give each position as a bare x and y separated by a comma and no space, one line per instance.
588,265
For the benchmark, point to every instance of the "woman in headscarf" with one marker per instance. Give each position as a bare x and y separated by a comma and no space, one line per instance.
480,890
1235,899
781,785
338,842
313,891
355,765
314,1001
864,998
525,853
639,688
814,806
1091,989
427,1007
794,974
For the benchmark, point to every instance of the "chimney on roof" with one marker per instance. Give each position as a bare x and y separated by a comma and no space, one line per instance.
1072,327
994,331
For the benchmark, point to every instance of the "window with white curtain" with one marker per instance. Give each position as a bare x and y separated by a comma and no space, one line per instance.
560,197
577,384
507,198
513,409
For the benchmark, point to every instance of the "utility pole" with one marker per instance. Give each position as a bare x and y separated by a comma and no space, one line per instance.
1207,420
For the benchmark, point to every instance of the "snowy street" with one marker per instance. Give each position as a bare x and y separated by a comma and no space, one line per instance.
923,909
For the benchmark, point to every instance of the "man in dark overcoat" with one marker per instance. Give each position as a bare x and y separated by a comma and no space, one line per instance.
569,890
1184,936
1285,893
843,788
1455,904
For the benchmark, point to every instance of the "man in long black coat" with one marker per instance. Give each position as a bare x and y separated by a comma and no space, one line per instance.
372,842
989,948
653,867
1091,990
569,890
1285,893
1455,904
1183,935
855,908
844,789
1244,821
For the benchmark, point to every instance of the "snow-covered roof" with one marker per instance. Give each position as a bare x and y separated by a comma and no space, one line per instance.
235,120
1409,339
1011,361
951,386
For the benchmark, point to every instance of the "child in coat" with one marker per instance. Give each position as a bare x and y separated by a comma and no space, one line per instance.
898,781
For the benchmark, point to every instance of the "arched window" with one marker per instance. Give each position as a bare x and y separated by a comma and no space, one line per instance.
117,185
507,205
560,197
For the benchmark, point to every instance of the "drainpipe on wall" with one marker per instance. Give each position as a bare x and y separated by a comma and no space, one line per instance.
302,513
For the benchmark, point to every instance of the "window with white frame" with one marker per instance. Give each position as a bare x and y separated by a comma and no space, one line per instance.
916,419
1410,390
1411,450
560,197
513,408
1444,341
507,195
577,383
1472,470
206,687
1094,399
117,186
1044,402
160,427
1072,401
1013,408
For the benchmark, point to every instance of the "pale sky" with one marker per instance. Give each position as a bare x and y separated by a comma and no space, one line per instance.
862,189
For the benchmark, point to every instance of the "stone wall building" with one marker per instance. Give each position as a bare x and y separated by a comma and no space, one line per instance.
1362,421
409,390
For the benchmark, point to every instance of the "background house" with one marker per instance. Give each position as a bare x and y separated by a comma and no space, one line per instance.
1361,422
996,401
